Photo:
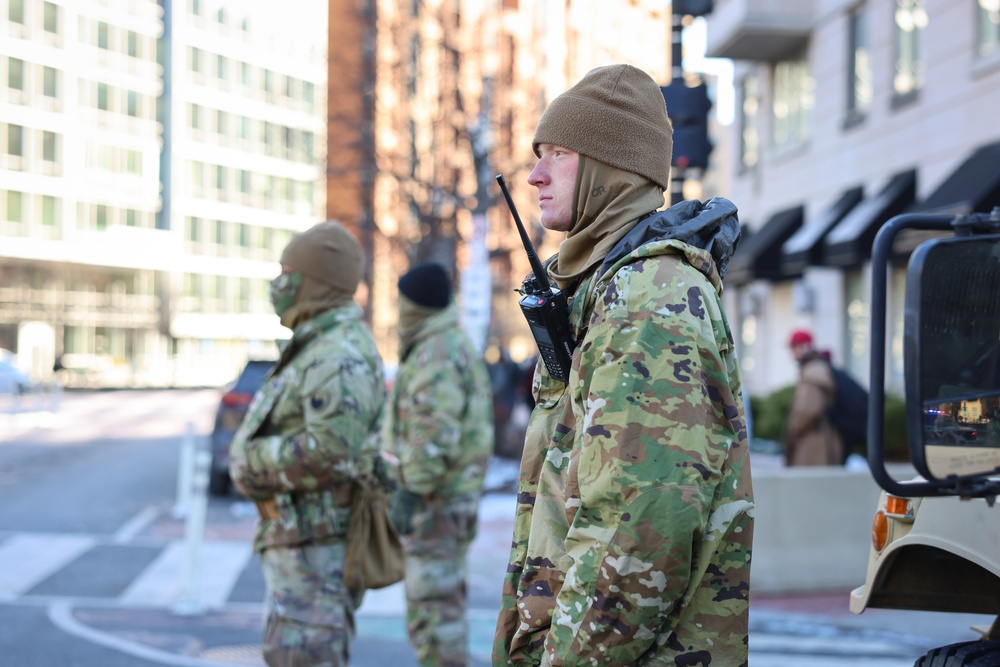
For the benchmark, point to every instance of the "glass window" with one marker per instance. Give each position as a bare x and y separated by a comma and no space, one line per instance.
244,181
193,229
221,122
14,211
196,7
197,174
911,19
130,217
749,139
132,102
221,68
196,63
220,16
196,116
48,210
15,140
133,163
989,26
103,101
15,11
308,93
793,102
268,81
101,216
220,177
15,73
245,74
133,44
308,146
220,232
103,35
50,79
48,146
50,17
859,78
244,127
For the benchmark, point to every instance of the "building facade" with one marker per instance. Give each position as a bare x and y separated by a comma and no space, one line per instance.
458,87
156,157
847,114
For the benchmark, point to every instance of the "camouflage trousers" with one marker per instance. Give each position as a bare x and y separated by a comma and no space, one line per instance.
436,586
310,614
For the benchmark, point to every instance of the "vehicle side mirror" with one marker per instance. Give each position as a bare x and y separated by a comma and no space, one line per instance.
952,354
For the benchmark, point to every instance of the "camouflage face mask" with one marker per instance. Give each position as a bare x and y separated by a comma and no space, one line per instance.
284,289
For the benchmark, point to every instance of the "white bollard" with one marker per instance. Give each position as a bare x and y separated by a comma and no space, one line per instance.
55,398
189,602
185,471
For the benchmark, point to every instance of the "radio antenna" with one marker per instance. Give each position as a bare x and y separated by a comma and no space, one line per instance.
536,265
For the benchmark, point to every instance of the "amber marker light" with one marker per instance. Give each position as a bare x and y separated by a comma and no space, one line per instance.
897,506
880,531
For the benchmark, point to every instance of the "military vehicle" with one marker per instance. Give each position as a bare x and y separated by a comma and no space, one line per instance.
936,538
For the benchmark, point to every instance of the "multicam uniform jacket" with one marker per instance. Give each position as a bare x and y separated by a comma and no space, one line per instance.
634,520
307,433
440,426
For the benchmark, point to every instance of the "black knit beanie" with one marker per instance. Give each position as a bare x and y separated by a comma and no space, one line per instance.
427,285
616,114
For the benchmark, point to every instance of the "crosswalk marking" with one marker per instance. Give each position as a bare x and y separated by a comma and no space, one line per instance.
160,584
27,559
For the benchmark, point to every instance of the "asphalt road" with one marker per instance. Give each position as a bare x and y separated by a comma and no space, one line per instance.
97,568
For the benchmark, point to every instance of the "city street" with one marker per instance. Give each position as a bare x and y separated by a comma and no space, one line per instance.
96,570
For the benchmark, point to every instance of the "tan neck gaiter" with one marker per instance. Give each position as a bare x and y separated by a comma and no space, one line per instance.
609,202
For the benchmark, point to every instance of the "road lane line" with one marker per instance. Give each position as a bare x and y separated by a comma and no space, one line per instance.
136,524
27,559
61,615
160,584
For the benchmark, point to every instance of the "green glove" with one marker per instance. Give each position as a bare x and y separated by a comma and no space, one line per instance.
404,504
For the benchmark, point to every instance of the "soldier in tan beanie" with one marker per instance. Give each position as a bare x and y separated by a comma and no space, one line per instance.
635,509
304,443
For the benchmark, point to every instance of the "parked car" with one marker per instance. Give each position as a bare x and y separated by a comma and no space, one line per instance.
940,427
13,380
232,408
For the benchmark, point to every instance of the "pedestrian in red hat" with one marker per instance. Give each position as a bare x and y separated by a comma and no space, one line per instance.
810,438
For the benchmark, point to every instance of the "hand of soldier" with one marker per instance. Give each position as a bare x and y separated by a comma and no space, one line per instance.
404,504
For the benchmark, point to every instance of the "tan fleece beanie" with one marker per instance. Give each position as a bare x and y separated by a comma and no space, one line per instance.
327,253
616,114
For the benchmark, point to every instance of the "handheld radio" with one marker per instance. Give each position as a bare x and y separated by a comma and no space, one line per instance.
544,306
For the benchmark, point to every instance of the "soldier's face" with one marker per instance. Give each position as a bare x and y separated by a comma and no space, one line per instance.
555,177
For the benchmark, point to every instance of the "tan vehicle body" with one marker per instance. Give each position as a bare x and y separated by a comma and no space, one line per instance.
941,554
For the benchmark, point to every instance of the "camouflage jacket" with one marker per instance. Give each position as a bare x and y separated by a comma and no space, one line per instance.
634,517
307,433
440,420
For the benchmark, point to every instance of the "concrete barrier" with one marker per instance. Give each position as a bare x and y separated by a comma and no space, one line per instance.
812,530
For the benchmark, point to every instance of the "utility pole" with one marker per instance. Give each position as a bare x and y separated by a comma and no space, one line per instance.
678,174
687,106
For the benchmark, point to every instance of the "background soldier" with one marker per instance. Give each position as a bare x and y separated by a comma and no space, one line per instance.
302,444
440,426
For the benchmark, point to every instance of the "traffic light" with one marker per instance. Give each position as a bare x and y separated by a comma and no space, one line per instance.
692,7
688,107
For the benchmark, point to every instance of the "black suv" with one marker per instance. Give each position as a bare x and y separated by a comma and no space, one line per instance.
232,409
